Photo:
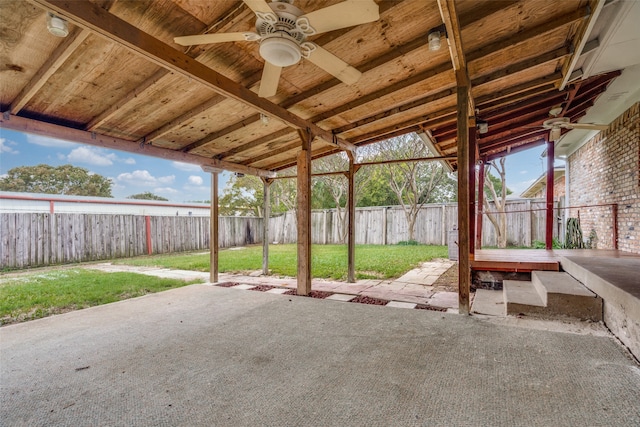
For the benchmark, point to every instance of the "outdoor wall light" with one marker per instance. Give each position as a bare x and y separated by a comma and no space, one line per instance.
434,41
483,126
57,26
435,37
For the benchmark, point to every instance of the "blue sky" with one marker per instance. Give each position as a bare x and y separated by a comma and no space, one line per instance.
178,182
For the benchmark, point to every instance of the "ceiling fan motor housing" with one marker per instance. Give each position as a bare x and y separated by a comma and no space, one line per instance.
281,38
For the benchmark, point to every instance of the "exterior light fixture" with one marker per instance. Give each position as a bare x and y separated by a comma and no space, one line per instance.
57,26
434,41
264,119
483,126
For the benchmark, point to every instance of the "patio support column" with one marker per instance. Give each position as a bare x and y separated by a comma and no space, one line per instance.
304,213
480,208
265,228
550,220
351,209
472,187
464,264
213,237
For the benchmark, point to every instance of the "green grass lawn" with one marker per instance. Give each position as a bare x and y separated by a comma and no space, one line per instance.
328,261
39,295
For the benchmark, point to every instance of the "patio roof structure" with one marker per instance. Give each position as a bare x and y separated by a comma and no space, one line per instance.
118,80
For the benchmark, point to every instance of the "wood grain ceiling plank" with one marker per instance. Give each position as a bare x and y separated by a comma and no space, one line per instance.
122,33
52,64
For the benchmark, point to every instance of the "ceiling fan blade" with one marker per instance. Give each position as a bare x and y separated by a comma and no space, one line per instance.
270,80
334,65
341,15
588,126
215,38
258,6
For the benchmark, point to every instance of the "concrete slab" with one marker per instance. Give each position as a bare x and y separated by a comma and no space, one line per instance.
205,355
489,302
522,297
243,286
341,297
401,304
277,291
444,300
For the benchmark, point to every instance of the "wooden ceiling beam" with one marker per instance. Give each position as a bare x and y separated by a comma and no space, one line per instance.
524,145
513,138
271,153
253,144
156,78
51,65
37,127
518,93
532,33
96,19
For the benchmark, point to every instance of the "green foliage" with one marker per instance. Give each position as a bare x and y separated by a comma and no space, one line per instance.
537,244
328,261
40,295
65,179
147,196
408,243
497,185
573,237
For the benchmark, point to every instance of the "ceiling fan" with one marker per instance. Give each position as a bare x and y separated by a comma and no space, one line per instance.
556,124
282,30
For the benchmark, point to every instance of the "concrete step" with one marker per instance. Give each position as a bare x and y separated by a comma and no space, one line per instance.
522,297
564,295
489,302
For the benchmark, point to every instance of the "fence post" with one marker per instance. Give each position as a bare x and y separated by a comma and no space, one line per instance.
614,214
147,220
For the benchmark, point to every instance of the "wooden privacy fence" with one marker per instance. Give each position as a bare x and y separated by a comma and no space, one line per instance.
388,225
39,239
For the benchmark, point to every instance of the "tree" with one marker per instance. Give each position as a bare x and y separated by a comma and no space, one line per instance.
147,195
65,179
414,183
337,187
496,191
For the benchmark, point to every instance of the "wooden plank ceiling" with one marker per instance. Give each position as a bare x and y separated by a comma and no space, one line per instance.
118,79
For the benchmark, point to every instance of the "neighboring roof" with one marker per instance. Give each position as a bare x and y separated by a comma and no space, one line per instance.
541,182
118,80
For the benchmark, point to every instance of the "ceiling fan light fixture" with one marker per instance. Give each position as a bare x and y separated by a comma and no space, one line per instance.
57,26
280,51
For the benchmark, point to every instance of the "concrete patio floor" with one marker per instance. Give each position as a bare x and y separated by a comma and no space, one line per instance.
211,356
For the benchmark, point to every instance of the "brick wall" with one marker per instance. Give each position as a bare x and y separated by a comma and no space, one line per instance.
607,170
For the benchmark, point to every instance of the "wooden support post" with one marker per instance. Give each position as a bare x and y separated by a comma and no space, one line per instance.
480,208
464,264
351,212
304,214
147,223
472,187
550,218
213,238
265,229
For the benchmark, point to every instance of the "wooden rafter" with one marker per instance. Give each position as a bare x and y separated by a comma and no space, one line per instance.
107,25
26,125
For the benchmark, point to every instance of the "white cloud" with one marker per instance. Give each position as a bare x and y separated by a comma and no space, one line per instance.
165,190
45,141
142,178
90,156
6,146
186,167
195,180
96,156
524,172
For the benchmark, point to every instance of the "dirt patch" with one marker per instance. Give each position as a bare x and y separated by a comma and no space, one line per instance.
368,300
429,307
448,281
227,284
262,288
312,294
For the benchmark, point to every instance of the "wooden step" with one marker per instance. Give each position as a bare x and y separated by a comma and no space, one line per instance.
564,295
